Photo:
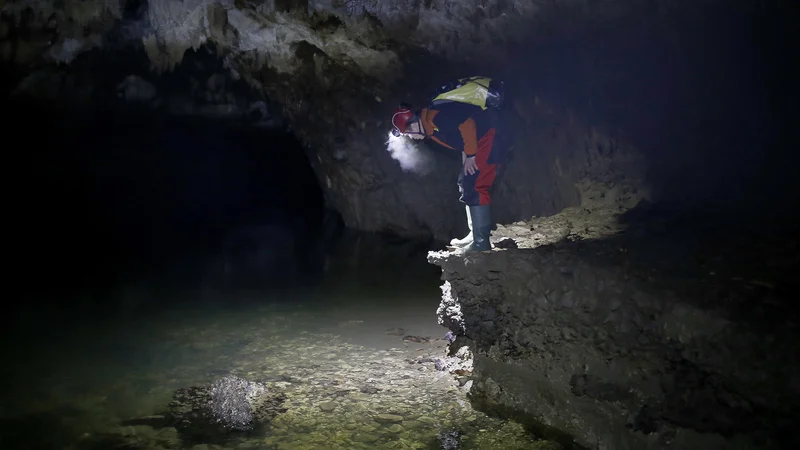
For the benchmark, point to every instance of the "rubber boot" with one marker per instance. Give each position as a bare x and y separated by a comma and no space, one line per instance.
466,240
481,229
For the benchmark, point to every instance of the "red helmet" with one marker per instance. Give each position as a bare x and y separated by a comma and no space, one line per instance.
402,115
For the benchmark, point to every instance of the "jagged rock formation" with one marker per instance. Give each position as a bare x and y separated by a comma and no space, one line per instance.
632,331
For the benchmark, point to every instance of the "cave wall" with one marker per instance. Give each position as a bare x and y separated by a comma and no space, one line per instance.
558,160
611,108
617,104
338,69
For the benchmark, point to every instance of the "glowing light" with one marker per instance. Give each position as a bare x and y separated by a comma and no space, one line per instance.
408,153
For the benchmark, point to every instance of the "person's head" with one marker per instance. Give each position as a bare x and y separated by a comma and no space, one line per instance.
406,122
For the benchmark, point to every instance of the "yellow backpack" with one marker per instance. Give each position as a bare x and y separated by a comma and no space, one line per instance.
478,91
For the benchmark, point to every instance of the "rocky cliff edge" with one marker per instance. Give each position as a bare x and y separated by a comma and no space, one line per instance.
631,330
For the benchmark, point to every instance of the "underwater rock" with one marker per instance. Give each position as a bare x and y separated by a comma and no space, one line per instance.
327,406
416,339
450,440
388,418
235,402
229,404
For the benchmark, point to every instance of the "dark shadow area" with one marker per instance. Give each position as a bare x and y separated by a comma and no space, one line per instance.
741,272
742,267
24,431
707,94
108,196
531,423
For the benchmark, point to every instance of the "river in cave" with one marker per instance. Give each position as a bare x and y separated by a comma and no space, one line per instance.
155,255
354,356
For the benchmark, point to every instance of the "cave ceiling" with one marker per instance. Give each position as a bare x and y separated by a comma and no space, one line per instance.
365,34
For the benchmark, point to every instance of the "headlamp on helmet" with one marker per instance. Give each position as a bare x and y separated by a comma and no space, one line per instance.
402,116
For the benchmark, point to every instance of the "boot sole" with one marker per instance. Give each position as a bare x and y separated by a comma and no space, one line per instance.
453,249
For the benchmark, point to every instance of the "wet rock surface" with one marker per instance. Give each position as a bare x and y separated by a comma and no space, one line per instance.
239,404
646,329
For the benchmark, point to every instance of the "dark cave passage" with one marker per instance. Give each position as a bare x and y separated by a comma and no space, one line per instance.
110,194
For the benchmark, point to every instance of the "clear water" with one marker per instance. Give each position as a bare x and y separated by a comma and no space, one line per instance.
74,375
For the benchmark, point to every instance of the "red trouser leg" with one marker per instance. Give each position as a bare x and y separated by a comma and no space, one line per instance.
475,189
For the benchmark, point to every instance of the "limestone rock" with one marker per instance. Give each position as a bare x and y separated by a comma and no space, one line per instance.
606,327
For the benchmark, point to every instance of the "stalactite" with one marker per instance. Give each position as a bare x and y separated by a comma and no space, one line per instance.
163,56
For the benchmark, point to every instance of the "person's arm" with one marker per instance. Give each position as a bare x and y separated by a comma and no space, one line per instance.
469,135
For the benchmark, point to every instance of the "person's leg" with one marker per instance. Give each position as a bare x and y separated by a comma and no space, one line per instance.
466,187
487,169
476,193
455,242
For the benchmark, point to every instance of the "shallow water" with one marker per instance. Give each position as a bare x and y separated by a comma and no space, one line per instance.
74,377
